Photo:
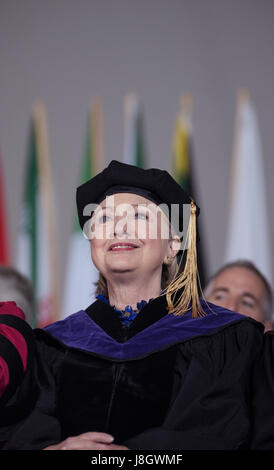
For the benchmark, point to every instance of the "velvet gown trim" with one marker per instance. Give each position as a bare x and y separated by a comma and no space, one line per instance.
80,331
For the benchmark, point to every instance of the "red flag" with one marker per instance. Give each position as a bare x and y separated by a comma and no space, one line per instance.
4,244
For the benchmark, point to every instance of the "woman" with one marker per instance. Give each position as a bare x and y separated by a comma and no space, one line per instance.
147,365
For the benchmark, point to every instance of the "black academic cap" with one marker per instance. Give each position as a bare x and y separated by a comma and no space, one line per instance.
154,184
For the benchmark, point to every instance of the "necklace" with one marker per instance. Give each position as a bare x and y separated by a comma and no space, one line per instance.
128,314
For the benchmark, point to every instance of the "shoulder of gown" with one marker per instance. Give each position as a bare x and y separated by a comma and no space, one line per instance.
165,331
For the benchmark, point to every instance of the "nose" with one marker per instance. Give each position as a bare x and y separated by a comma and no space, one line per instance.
121,226
232,304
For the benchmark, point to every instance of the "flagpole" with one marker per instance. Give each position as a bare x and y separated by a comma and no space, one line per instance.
41,130
243,96
186,102
129,110
97,133
184,114
130,100
182,163
186,109
81,273
248,231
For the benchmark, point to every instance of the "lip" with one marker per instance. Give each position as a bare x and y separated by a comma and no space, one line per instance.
125,246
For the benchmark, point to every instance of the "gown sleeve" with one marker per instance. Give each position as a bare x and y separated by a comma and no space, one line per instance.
27,385
17,385
16,350
211,408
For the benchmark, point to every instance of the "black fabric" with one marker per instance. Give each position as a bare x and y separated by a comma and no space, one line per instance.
121,188
157,184
28,421
106,317
198,394
263,384
212,407
19,398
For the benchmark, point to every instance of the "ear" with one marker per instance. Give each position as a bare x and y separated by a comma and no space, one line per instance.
268,325
174,245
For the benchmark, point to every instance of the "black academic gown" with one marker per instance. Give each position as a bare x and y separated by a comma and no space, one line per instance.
165,382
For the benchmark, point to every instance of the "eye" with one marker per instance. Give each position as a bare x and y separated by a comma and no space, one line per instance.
104,218
218,296
248,303
141,215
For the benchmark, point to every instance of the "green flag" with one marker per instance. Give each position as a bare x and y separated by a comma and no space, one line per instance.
81,274
37,256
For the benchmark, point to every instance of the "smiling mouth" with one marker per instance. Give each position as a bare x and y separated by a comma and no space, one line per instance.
123,247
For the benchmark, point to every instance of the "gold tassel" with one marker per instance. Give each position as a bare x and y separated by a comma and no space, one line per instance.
187,280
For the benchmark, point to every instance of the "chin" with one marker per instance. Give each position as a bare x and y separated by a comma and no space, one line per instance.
122,265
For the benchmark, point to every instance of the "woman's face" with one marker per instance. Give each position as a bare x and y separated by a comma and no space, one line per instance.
130,235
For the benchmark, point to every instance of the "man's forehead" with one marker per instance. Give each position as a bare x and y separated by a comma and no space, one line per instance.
239,277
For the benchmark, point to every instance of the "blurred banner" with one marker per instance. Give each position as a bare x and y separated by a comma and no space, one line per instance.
4,230
248,228
81,274
134,139
183,169
37,247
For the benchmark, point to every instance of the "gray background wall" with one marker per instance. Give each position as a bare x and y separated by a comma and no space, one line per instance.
67,51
